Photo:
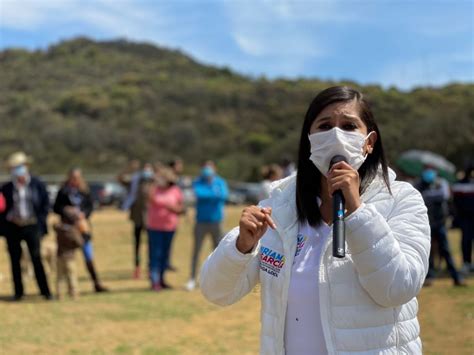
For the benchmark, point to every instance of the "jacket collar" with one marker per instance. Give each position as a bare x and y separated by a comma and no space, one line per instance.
378,184
283,203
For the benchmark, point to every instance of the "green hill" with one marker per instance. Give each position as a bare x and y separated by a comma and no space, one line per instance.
98,104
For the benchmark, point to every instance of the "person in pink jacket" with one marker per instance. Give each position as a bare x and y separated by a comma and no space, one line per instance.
164,206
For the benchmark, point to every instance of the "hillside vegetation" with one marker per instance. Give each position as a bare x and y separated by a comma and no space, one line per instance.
98,104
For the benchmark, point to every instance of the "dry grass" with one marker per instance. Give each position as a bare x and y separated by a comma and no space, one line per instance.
133,320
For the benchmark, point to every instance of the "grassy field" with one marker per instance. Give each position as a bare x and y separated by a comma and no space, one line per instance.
133,320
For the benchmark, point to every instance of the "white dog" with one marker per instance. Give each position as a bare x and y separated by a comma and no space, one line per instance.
48,256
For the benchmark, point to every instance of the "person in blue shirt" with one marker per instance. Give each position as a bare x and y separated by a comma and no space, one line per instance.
211,193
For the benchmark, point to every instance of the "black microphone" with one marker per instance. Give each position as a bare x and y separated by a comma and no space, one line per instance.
338,227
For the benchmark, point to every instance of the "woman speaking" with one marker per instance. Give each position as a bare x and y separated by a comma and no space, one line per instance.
312,302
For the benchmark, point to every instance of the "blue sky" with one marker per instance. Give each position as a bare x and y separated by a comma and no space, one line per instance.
404,43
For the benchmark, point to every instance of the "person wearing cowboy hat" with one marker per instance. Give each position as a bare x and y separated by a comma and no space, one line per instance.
26,210
165,204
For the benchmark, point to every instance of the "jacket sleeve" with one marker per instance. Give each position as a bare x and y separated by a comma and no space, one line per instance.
44,200
60,202
391,256
228,275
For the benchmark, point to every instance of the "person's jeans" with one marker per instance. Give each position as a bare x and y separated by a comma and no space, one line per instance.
159,243
88,251
439,236
31,235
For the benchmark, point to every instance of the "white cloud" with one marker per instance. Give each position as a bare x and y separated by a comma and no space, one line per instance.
430,70
249,45
271,37
282,45
29,14
321,11
282,28
115,18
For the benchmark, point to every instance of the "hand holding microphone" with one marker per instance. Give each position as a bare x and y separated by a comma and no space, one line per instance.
343,184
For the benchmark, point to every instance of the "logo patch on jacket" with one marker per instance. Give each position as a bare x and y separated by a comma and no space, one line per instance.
300,240
271,261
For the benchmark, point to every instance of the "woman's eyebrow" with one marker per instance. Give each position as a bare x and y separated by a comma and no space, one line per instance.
346,116
353,118
322,119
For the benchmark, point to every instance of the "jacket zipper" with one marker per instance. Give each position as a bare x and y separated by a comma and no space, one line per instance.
285,288
323,298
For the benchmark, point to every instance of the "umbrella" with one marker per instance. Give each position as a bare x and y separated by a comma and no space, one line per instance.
412,162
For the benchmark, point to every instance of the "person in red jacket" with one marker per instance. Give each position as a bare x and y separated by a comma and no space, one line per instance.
2,203
2,217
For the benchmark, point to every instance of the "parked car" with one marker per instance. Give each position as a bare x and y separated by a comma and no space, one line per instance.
107,193
235,197
251,191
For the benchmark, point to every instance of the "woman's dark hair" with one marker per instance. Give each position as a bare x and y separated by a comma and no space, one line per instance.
308,178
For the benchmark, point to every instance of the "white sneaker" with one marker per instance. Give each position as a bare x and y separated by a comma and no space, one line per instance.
191,285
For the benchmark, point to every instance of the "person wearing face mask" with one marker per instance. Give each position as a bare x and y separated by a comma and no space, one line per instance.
211,193
75,192
165,203
312,302
26,210
436,193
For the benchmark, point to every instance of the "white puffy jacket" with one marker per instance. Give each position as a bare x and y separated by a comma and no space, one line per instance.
367,299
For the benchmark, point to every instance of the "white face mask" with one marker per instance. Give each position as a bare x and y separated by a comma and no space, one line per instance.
325,145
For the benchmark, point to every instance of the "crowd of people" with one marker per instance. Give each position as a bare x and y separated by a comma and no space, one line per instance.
155,203
154,200
23,217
